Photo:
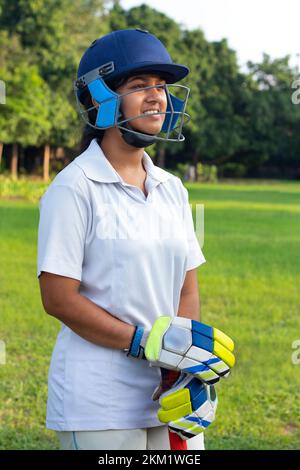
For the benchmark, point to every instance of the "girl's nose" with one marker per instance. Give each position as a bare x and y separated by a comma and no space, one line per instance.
156,93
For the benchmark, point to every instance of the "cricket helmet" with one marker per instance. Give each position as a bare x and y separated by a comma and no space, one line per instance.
119,55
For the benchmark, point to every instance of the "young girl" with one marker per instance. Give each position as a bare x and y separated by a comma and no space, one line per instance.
117,259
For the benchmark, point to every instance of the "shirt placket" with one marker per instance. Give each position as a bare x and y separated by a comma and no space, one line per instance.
137,194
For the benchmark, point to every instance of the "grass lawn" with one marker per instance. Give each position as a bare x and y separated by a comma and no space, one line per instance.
249,287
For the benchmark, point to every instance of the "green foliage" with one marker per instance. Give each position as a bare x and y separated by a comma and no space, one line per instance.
181,171
24,118
55,31
208,173
41,45
241,118
23,188
273,118
233,170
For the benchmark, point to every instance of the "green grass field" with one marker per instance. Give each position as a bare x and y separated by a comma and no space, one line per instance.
249,287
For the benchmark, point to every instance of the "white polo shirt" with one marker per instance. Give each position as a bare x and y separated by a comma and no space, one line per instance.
131,253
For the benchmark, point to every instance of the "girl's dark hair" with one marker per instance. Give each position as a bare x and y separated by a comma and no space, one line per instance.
89,133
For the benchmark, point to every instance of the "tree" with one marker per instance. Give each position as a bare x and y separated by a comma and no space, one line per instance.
274,120
49,37
24,118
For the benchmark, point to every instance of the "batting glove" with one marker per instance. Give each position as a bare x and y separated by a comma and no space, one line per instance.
185,345
189,407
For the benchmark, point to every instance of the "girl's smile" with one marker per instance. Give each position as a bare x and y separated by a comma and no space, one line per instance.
148,102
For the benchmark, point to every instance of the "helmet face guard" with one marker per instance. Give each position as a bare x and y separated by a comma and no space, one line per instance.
109,113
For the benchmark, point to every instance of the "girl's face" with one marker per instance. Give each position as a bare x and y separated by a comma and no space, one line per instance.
140,101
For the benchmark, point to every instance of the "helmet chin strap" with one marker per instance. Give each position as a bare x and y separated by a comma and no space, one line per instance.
136,140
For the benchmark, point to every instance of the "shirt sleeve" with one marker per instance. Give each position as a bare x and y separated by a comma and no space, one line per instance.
195,256
62,231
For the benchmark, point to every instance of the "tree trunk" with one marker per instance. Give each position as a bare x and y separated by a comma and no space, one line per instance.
14,162
46,162
161,157
1,151
195,163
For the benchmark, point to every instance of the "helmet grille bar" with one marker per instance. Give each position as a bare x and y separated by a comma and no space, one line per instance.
101,71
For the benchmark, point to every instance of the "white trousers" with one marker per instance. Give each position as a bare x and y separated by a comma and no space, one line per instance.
156,438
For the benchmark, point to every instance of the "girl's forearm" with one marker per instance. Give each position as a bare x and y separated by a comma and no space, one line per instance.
98,326
189,306
93,323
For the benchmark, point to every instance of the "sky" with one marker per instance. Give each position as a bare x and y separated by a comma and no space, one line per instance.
251,27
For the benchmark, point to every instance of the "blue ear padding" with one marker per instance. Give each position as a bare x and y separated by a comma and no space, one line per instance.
178,106
107,111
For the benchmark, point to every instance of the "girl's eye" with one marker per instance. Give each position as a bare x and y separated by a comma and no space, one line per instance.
139,85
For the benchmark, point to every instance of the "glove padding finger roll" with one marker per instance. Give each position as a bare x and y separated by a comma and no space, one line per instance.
189,407
191,347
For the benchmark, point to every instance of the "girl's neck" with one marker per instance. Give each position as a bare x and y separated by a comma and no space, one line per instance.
123,157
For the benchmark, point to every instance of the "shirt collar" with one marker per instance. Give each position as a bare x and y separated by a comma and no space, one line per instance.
98,168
